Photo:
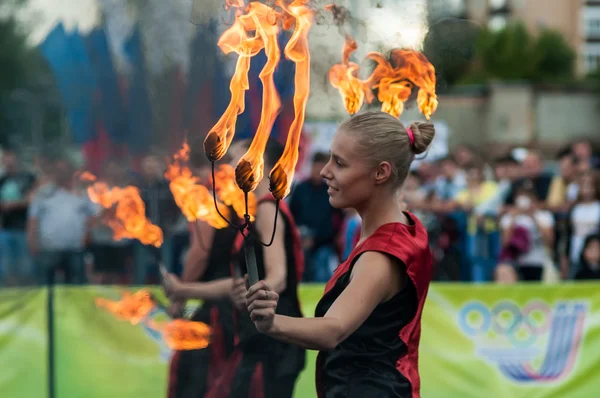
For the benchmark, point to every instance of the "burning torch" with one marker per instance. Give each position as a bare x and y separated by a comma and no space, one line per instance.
266,22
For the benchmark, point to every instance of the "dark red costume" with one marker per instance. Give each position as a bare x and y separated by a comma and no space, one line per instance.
192,372
260,366
380,359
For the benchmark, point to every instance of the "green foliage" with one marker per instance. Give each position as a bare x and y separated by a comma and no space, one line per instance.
462,53
450,47
514,54
22,67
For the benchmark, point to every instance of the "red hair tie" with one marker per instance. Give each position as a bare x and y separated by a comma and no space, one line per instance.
411,136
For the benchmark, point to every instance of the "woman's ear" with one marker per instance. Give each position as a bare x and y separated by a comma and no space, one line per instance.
383,172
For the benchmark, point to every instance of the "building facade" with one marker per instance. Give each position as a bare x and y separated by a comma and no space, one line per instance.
577,20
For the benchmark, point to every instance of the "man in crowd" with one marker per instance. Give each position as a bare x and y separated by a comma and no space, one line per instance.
16,187
58,226
318,221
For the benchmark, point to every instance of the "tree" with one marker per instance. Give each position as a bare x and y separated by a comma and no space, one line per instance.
514,54
450,47
21,67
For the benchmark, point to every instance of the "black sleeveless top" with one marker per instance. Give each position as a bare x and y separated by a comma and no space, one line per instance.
291,357
380,358
217,267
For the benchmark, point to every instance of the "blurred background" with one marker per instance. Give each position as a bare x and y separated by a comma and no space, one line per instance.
509,192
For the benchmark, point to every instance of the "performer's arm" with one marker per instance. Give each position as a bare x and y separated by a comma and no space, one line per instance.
212,290
376,278
196,261
274,256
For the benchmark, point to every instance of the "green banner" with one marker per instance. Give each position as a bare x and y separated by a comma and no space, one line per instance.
477,341
23,348
519,341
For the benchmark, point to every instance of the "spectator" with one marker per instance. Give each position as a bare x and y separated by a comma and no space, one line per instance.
317,220
161,210
16,187
58,227
527,234
532,172
452,180
585,156
478,201
584,219
563,188
589,265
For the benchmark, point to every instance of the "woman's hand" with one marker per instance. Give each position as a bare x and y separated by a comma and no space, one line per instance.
172,286
238,294
261,303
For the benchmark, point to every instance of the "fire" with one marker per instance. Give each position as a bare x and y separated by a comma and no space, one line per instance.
262,19
182,334
296,50
235,39
194,199
395,83
129,218
231,195
266,22
131,308
179,334
344,77
393,79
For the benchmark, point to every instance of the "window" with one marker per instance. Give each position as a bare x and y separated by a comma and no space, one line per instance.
591,57
497,22
591,21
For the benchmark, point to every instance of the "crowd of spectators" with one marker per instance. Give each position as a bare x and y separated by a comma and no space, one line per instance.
518,217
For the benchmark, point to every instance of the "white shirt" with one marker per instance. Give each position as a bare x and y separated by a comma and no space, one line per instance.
585,219
537,254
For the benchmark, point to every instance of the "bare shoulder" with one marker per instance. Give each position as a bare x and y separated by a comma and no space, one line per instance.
388,272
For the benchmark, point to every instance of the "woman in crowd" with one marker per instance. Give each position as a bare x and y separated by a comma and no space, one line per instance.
583,220
589,265
527,235
368,323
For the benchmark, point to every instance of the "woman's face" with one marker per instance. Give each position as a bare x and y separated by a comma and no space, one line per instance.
592,252
588,189
349,177
474,176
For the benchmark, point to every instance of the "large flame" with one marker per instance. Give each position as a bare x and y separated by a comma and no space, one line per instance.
262,19
194,199
393,79
179,334
231,195
129,218
296,50
131,308
182,334
235,39
344,77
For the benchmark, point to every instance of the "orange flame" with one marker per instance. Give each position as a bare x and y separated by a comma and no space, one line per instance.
344,77
394,79
181,334
131,308
296,50
235,39
262,19
194,199
129,219
231,195
395,84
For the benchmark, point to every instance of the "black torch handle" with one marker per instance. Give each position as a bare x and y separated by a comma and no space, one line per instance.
250,261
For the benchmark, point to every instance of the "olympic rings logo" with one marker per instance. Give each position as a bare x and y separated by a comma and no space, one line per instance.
522,327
